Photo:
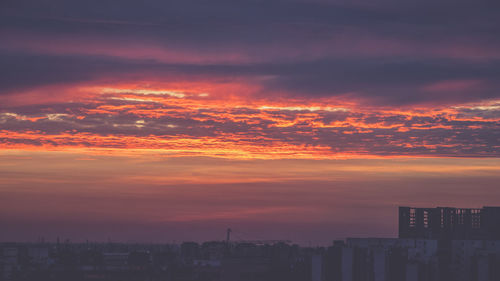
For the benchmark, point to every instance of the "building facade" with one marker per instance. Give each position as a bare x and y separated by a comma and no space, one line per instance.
445,223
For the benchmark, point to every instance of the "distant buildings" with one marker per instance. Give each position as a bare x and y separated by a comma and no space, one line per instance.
475,260
382,259
9,262
434,244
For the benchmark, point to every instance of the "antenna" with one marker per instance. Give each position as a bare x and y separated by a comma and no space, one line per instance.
228,235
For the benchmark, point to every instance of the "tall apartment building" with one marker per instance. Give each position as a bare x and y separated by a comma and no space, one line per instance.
445,223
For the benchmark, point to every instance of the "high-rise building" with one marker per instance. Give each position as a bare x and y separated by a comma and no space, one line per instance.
449,223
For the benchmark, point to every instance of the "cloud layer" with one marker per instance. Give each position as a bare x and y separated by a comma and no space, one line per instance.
195,123
386,52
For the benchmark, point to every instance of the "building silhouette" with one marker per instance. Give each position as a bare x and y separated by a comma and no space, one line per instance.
434,244
445,223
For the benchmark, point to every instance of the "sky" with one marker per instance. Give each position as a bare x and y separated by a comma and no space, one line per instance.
309,121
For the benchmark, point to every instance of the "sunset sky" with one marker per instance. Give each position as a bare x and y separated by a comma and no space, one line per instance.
302,120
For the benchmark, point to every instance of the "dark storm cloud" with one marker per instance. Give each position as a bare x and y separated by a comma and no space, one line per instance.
383,81
18,71
211,15
388,51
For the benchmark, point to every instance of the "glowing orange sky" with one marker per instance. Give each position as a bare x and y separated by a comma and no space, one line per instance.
153,196
175,120
162,161
211,120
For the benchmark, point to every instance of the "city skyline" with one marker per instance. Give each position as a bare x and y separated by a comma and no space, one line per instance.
442,243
